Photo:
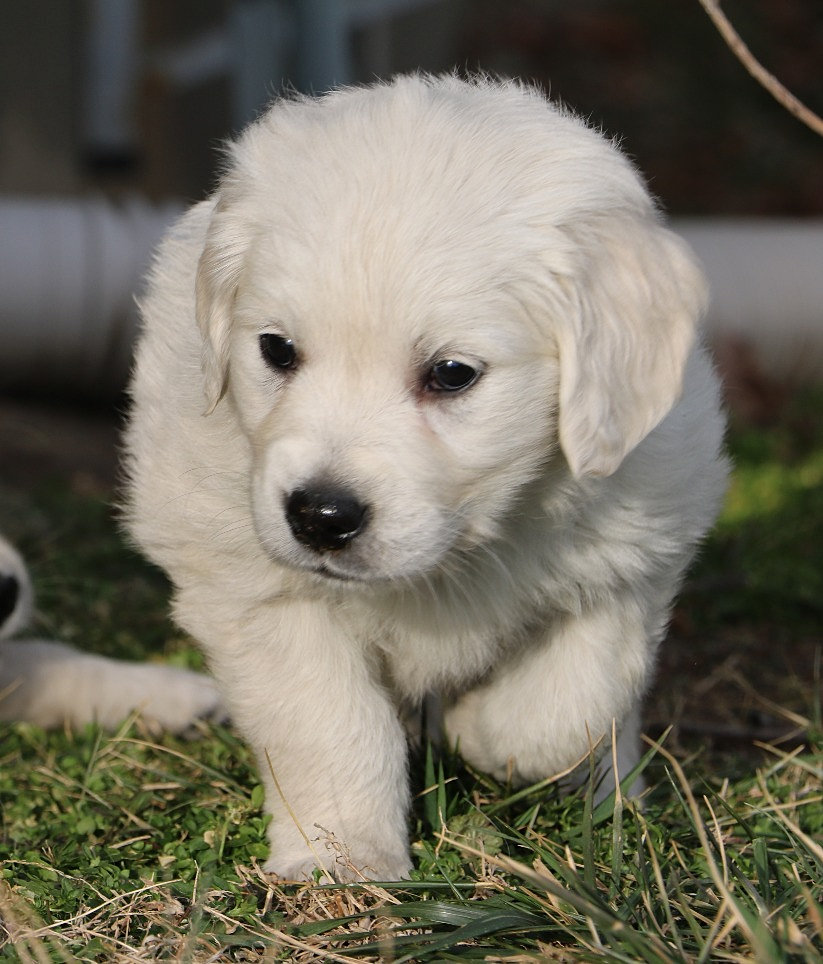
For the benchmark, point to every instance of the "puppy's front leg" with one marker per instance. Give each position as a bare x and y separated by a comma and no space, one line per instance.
329,744
543,710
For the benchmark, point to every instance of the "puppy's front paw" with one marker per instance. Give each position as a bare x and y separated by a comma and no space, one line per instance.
339,863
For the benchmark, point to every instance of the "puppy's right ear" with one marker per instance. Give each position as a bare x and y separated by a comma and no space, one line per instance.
218,276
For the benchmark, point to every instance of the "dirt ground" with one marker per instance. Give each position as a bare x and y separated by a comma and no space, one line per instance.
42,440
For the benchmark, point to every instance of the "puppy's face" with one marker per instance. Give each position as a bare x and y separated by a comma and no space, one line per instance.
414,309
395,408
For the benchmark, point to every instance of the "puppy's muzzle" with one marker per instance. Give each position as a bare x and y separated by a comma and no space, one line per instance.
324,518
9,594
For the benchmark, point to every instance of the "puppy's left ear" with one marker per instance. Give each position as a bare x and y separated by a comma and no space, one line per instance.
636,299
218,275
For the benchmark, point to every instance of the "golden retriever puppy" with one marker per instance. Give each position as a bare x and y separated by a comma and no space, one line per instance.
50,684
419,407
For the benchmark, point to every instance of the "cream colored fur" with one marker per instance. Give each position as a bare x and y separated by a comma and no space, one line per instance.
525,536
51,684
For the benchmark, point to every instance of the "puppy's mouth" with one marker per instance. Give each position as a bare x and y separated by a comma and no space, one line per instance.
344,571
326,573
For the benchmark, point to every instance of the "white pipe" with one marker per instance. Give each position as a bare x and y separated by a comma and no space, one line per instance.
766,284
69,270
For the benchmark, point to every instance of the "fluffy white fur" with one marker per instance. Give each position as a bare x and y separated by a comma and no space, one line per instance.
50,684
525,536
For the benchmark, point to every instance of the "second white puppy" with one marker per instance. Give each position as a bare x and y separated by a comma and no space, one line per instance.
435,420
51,684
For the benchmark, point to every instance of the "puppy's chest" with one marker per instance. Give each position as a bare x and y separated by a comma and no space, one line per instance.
446,636
414,666
417,654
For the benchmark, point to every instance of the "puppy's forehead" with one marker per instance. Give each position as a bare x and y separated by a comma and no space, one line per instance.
379,298
440,137
418,201
372,265
419,169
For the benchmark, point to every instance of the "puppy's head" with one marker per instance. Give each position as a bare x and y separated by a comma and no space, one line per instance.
418,297
15,591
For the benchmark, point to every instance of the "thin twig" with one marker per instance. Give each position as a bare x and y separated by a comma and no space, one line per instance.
783,96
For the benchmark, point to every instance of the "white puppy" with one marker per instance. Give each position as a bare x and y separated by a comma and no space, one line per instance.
418,407
50,683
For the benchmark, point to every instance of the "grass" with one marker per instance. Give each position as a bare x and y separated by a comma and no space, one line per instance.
121,849
114,847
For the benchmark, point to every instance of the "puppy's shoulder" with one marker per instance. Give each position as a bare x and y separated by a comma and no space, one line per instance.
681,468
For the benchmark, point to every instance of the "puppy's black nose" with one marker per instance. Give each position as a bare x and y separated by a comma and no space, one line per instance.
9,594
325,518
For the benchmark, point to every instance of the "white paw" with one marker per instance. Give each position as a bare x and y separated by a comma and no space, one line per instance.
339,863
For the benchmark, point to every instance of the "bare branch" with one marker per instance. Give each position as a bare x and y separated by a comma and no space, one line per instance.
783,96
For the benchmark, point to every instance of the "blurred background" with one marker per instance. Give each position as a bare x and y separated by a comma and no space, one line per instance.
112,113
133,96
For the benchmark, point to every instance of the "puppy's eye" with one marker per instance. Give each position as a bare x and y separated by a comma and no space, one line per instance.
279,352
451,376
